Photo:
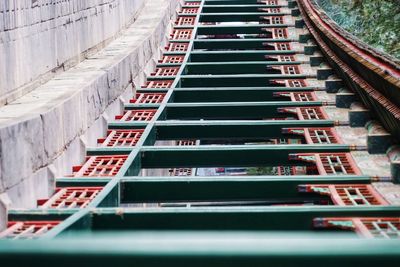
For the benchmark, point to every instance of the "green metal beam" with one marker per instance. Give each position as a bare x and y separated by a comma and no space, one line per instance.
238,55
241,44
286,218
230,155
273,188
239,29
248,67
40,214
248,8
237,17
230,110
238,2
199,249
226,130
231,94
237,80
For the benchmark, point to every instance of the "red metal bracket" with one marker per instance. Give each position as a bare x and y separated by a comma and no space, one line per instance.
191,3
347,194
269,2
137,115
99,166
158,84
372,227
181,34
166,71
185,21
189,10
127,138
316,135
70,197
272,20
287,59
186,143
148,98
172,59
27,229
270,10
280,33
181,172
297,96
177,47
306,113
330,163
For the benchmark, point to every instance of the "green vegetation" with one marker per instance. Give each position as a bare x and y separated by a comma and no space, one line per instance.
376,22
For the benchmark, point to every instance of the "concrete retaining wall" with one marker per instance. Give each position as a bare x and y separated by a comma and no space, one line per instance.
45,132
38,37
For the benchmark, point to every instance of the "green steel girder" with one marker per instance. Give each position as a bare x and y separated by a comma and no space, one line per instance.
228,155
224,56
199,249
237,17
40,215
234,218
238,2
83,181
276,188
233,94
248,8
249,67
239,44
213,123
262,130
237,80
241,29
229,110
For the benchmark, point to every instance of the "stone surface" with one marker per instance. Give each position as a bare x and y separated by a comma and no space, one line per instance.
45,132
4,205
37,37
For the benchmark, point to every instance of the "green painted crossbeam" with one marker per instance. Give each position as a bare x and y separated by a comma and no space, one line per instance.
248,8
248,67
216,128
230,94
229,155
242,44
262,130
237,17
239,188
219,156
199,249
238,2
233,218
236,80
239,29
228,110
238,55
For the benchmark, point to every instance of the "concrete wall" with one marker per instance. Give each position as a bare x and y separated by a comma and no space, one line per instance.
46,131
38,37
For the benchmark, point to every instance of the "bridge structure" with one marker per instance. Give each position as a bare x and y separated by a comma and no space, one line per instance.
271,87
